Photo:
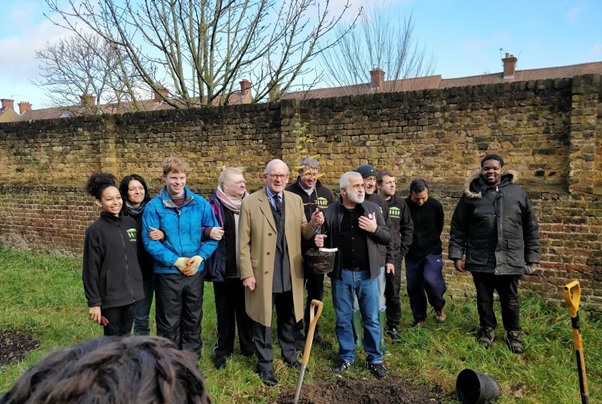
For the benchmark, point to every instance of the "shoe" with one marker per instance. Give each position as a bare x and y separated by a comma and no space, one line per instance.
322,343
268,378
378,370
394,335
341,366
514,343
219,362
440,315
293,365
486,336
417,323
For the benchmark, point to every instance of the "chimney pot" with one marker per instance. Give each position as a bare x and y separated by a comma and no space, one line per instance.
8,103
245,86
88,100
509,63
24,107
161,93
377,78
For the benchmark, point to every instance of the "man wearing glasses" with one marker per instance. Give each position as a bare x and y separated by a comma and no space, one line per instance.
272,225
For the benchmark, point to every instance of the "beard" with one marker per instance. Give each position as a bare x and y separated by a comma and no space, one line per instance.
356,197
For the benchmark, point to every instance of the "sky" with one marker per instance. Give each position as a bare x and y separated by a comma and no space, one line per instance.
466,37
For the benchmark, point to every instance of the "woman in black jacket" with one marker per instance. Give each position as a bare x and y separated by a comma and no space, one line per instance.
111,274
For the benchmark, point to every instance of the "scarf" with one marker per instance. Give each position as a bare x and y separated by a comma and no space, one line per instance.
132,211
230,203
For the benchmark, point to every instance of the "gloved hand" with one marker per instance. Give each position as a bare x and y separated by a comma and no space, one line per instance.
181,264
192,265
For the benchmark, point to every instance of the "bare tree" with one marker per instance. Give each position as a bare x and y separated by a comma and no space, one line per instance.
380,39
83,66
201,49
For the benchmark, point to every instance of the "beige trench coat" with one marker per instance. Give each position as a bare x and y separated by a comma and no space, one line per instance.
257,234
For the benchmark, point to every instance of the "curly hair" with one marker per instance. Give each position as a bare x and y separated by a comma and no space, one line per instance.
117,370
98,182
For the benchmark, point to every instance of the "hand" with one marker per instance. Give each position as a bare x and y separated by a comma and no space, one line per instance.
94,314
390,268
319,240
216,233
459,265
249,283
181,263
156,234
317,218
368,223
192,265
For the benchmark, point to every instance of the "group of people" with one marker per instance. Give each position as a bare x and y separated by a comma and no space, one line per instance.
253,246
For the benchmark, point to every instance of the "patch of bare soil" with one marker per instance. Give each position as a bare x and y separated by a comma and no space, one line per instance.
346,390
14,345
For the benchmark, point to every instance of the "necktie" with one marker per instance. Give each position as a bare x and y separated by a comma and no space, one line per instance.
278,204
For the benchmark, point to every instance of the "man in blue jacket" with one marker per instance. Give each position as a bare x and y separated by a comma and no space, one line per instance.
179,258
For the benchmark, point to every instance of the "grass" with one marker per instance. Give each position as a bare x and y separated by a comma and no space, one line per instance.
43,295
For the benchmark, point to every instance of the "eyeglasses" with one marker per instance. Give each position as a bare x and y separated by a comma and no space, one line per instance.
278,176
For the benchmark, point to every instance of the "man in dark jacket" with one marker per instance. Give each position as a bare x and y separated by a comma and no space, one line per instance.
357,228
424,264
401,228
495,227
314,195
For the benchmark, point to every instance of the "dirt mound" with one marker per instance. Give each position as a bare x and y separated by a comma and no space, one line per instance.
346,390
14,345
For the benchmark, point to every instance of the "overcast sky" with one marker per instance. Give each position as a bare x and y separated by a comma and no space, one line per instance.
467,37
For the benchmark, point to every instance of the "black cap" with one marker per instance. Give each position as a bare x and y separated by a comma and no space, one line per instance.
492,157
366,171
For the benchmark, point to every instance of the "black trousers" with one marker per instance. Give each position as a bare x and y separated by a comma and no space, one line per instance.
507,289
120,320
179,309
262,335
392,289
231,314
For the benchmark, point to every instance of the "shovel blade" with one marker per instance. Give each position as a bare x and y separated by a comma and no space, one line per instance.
299,383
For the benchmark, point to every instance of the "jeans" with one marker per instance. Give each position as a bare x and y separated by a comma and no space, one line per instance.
143,307
382,285
343,291
507,290
425,275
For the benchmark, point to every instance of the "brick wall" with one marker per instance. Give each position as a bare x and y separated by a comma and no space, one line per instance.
547,131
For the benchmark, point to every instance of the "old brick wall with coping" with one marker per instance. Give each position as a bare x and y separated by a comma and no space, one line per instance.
547,131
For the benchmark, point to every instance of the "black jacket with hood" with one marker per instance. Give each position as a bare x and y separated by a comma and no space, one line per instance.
495,227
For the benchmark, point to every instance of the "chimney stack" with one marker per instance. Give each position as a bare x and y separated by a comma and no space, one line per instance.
24,107
509,65
377,78
88,100
245,86
8,104
161,93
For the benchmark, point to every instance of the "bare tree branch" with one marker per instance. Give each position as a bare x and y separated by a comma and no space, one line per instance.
201,49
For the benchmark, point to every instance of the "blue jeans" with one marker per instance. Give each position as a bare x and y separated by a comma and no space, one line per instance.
382,301
366,289
143,307
425,276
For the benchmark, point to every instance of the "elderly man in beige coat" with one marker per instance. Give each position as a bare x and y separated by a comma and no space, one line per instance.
272,223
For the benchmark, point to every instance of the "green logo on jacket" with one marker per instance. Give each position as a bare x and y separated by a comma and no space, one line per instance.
132,234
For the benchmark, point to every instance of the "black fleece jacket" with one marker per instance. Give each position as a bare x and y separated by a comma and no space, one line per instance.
111,274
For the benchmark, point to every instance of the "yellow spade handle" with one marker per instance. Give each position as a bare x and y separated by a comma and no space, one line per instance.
572,296
313,321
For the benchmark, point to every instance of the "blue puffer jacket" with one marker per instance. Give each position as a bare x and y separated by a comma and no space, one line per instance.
182,228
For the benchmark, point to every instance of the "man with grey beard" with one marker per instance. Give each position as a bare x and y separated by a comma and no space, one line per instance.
357,228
